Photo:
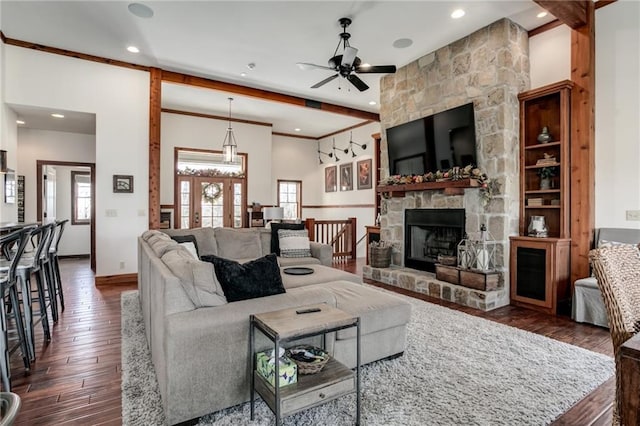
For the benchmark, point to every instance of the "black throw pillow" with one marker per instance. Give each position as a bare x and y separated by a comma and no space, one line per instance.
258,278
275,241
186,239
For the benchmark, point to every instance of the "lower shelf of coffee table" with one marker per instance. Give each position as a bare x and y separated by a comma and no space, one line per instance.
335,380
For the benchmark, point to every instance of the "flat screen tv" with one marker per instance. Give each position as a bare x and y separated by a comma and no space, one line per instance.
437,142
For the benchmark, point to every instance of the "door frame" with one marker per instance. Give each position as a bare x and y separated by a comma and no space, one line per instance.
39,189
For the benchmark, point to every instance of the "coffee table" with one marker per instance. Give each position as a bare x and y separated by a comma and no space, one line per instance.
334,381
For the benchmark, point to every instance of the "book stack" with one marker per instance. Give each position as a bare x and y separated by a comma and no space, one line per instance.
534,202
547,161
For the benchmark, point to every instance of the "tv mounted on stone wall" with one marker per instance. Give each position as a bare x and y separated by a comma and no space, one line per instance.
436,142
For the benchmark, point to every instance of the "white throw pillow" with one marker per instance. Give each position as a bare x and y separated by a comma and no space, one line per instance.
191,248
294,243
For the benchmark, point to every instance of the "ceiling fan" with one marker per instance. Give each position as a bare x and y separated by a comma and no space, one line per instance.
347,64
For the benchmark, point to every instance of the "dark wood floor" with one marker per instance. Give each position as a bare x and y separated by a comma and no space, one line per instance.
76,378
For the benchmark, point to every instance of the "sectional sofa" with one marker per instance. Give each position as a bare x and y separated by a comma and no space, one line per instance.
199,341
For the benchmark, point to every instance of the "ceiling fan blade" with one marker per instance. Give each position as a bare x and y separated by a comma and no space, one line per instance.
307,66
349,56
355,80
390,69
325,81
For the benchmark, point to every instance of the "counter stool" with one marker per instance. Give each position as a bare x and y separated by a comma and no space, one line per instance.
9,287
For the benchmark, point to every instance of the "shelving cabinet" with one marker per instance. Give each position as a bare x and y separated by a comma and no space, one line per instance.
540,267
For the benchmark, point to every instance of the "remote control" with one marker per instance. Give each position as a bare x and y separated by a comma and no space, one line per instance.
308,311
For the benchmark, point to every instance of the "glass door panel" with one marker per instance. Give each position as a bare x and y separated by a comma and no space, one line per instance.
211,203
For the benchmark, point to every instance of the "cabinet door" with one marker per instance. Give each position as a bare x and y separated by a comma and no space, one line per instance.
531,280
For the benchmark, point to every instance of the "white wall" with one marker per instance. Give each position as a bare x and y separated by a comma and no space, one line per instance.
120,99
364,215
617,113
617,127
8,136
550,56
48,145
206,133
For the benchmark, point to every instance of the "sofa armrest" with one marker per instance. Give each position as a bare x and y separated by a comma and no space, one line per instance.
322,252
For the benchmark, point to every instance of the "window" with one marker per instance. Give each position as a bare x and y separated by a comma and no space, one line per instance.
290,198
80,198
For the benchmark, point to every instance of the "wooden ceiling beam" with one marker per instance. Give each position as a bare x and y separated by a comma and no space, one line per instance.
207,83
571,13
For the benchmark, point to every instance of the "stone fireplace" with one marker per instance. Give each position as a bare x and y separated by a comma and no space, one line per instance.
489,68
429,233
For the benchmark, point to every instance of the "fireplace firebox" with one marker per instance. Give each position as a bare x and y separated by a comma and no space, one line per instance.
429,233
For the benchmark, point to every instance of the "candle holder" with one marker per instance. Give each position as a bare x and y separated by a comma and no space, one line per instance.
478,251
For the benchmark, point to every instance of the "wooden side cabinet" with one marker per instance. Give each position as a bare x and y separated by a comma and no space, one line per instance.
373,234
539,272
630,382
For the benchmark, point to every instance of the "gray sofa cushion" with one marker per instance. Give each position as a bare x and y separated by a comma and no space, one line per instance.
197,278
161,245
204,236
236,243
297,261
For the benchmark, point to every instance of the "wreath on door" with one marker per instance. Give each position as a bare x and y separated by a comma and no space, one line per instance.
211,192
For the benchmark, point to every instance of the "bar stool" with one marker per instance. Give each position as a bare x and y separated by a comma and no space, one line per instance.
54,264
8,287
30,264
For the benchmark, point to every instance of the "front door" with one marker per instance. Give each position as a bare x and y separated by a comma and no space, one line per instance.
210,202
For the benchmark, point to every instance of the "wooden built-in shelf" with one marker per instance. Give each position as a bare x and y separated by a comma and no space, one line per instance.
543,146
451,187
542,191
540,166
542,207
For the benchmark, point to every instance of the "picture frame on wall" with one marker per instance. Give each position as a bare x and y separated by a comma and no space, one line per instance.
9,188
331,179
364,174
123,184
346,177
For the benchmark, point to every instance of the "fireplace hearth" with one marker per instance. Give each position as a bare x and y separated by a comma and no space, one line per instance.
429,233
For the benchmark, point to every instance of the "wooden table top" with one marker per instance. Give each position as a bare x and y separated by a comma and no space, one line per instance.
287,324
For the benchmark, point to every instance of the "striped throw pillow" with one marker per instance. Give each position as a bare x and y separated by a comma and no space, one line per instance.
294,243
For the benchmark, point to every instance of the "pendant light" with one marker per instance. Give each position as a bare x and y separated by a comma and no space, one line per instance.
229,146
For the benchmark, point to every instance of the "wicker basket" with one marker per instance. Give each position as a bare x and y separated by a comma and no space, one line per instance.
308,367
380,257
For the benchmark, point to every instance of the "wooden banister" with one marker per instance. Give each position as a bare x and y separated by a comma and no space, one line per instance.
339,234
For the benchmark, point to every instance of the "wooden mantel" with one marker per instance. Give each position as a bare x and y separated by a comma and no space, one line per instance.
451,187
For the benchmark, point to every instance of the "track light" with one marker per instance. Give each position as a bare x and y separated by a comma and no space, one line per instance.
351,144
334,150
328,154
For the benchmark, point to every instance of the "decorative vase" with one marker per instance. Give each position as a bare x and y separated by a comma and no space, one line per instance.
545,183
544,136
538,227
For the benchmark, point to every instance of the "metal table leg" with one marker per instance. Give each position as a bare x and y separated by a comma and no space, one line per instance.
252,356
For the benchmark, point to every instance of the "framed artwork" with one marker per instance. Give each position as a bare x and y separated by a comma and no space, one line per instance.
123,183
346,177
364,174
330,179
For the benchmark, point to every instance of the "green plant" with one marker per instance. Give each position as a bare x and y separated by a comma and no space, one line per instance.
547,172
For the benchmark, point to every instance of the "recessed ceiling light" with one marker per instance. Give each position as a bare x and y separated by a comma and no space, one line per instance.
365,65
541,14
372,102
133,49
243,74
458,13
56,115
251,65
297,129
401,43
140,10
19,122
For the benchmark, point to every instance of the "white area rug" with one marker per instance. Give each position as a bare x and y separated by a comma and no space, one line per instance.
457,370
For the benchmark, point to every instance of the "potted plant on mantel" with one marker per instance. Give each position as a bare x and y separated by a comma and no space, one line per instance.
546,173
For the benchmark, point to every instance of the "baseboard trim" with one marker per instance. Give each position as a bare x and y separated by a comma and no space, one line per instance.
122,279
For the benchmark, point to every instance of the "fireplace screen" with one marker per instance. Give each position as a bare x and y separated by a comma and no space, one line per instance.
429,233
